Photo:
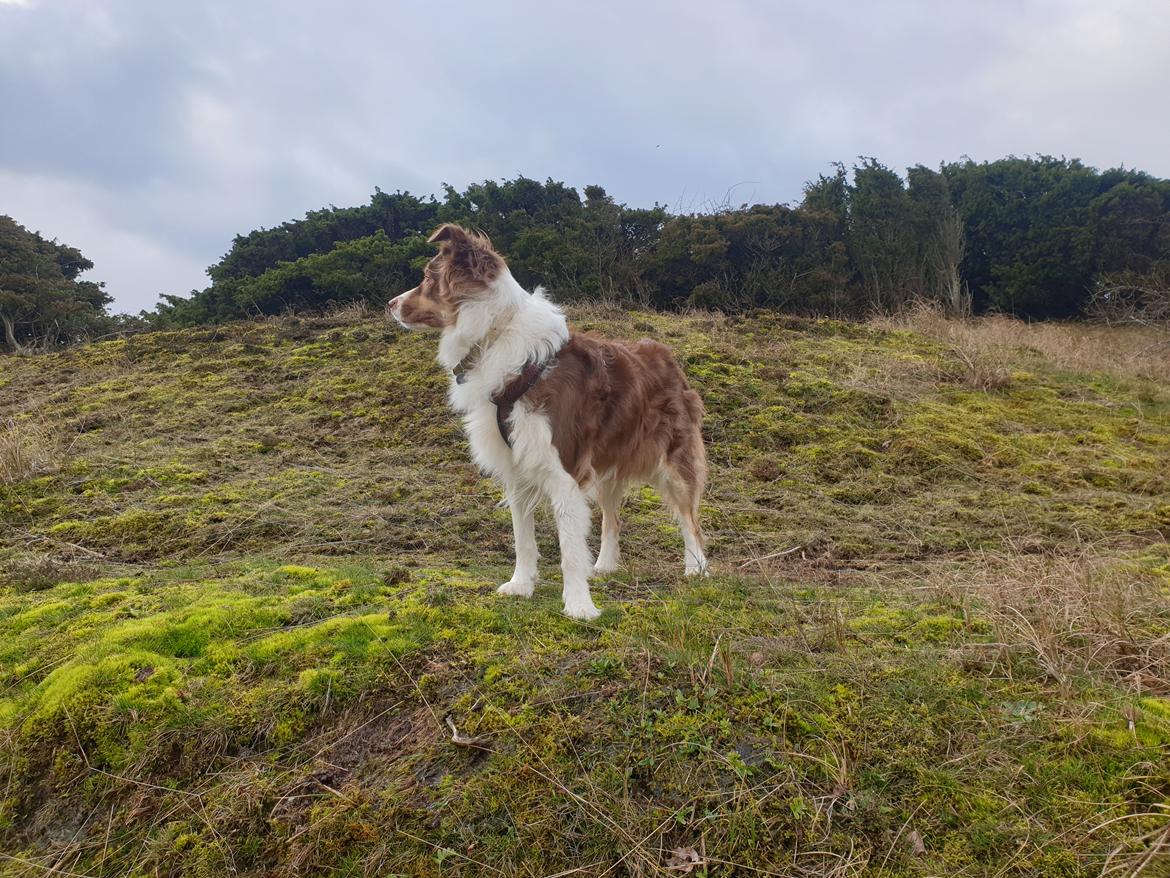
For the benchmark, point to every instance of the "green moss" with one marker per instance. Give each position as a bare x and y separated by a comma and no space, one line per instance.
295,571
291,587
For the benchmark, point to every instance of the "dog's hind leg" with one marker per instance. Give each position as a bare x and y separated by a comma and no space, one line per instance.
681,483
522,503
609,498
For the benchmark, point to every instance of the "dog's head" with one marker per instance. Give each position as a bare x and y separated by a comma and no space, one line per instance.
464,269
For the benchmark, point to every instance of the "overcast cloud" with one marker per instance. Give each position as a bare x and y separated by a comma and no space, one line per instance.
149,133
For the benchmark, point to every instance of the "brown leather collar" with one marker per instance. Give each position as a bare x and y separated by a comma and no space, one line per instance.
508,395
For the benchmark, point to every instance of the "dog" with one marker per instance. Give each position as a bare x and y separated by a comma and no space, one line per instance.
557,414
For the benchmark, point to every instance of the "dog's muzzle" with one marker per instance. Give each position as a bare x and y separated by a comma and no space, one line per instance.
394,308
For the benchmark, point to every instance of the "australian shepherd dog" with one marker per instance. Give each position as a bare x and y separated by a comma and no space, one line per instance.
556,414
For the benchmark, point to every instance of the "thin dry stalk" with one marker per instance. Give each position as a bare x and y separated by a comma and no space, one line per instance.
1133,858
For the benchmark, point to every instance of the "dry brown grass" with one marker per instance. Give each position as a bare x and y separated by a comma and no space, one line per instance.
27,447
1076,615
350,311
34,571
1128,351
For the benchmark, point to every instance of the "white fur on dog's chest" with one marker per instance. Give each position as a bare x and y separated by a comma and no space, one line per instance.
488,449
508,331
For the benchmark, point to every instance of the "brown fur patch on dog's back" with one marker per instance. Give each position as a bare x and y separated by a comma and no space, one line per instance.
621,409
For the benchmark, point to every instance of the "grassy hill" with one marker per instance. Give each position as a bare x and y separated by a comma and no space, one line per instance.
247,595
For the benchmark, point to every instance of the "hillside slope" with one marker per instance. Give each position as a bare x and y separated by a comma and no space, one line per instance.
248,582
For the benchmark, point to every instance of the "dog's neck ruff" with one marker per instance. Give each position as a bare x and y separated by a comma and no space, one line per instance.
461,369
499,347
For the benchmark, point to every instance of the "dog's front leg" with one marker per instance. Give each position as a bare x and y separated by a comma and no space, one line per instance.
524,531
571,510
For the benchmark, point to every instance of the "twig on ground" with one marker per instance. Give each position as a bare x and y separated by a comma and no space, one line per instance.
463,740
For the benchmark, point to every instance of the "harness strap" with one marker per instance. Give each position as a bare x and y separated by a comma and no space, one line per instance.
511,392
466,365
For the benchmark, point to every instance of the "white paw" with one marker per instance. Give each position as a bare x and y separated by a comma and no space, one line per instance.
521,588
581,609
697,570
604,567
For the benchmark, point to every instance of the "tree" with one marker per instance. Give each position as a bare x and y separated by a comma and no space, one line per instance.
372,269
941,239
1131,223
42,302
399,215
1029,233
1030,236
882,238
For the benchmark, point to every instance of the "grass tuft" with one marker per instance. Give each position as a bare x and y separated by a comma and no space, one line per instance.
26,449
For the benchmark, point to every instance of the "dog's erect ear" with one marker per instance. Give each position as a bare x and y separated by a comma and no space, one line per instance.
468,254
449,232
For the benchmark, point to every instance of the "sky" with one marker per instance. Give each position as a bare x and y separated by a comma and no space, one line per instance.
148,133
